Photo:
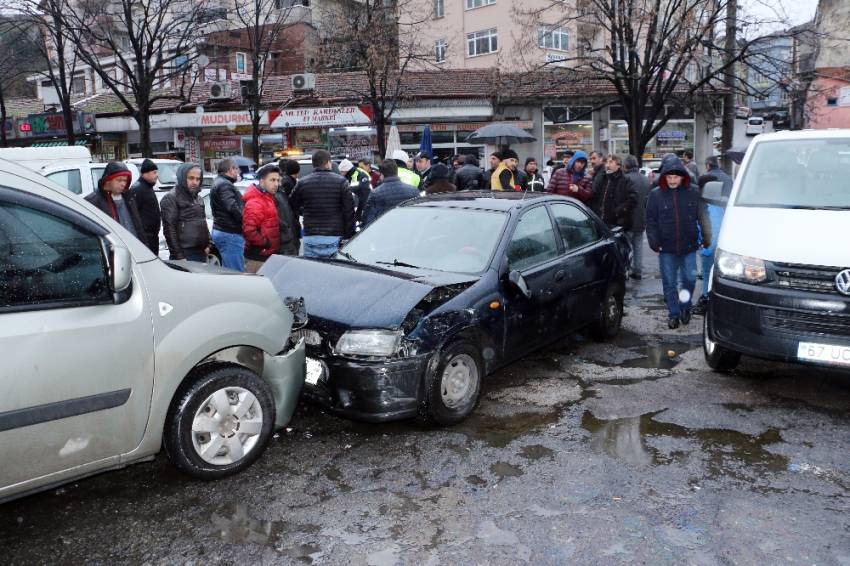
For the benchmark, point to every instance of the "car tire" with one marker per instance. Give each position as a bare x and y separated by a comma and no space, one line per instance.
453,388
202,430
717,357
609,318
214,258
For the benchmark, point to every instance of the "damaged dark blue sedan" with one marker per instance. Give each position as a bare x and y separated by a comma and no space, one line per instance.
440,292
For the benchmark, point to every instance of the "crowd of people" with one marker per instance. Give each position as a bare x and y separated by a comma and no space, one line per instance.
285,213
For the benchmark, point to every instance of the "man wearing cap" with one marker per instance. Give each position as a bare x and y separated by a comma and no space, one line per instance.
406,175
184,221
109,197
423,167
503,178
143,193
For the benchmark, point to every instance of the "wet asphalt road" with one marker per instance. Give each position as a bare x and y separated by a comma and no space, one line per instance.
582,453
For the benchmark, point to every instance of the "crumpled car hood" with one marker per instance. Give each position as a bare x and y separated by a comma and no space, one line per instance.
355,295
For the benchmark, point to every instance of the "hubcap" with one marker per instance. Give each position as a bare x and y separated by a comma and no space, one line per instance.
459,381
227,426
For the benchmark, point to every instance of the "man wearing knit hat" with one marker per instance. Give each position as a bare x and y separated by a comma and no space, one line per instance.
504,176
143,193
109,197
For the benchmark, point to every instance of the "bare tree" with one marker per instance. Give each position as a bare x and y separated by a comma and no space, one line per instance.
379,39
142,50
17,41
263,25
660,56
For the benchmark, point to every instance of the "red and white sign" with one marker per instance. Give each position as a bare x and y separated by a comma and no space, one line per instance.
179,139
212,145
227,119
312,117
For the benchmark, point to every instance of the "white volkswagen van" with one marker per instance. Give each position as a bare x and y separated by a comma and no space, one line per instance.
780,287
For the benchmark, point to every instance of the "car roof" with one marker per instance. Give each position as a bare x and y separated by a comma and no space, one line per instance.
482,200
805,135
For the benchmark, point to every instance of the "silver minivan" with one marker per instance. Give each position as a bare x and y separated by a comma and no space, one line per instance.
108,354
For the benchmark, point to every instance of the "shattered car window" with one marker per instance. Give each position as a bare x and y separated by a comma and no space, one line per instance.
445,239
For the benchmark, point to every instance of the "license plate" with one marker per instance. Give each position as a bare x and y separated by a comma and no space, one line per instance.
311,337
315,372
824,353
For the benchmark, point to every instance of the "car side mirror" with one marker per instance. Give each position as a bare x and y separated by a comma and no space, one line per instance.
121,268
712,193
617,230
518,281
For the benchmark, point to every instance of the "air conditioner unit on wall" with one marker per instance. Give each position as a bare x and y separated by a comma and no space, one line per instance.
220,91
304,81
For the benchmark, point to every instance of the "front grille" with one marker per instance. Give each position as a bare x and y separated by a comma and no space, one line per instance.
806,278
809,323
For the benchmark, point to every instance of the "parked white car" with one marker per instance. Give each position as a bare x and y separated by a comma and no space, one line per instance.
110,354
167,171
755,126
36,158
81,179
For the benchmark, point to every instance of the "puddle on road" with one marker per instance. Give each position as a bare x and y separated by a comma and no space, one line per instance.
505,470
727,452
499,432
536,452
665,355
234,525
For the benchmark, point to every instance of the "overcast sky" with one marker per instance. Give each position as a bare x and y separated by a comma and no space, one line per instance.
795,12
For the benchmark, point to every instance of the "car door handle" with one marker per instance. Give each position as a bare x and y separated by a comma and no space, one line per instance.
559,276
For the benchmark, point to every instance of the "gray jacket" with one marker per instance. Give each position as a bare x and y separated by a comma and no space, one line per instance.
641,186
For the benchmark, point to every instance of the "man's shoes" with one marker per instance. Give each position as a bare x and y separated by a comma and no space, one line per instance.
701,307
672,323
637,276
685,316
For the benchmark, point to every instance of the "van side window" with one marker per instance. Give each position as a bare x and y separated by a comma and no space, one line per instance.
48,262
70,179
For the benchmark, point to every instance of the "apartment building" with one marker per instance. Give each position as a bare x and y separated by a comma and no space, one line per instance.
510,35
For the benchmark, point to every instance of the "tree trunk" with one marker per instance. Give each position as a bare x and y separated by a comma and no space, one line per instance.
381,130
143,120
729,80
255,129
68,115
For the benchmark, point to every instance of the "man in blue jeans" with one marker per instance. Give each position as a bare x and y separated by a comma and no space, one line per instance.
227,206
675,217
325,201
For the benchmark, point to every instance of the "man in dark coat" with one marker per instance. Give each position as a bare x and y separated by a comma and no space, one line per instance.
291,172
227,206
675,215
143,193
325,201
113,198
391,192
469,177
640,184
184,221
613,198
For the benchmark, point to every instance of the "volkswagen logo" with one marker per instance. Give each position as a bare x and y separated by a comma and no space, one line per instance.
842,282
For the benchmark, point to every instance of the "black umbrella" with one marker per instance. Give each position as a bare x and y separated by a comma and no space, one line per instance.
736,154
500,134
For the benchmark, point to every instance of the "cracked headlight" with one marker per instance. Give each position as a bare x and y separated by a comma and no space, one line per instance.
372,343
740,268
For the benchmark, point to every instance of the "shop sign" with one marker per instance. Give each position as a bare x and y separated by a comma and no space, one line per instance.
241,77
179,139
51,124
308,137
226,119
193,153
222,144
671,135
330,116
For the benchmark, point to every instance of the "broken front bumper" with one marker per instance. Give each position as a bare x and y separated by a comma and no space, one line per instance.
285,374
370,391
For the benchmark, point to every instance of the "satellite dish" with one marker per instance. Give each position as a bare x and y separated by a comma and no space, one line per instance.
203,61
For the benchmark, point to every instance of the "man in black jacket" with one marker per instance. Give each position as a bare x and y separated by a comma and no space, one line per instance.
142,192
291,170
614,199
184,221
226,203
113,198
325,201
469,177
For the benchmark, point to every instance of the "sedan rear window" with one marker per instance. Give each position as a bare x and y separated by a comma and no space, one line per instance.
444,239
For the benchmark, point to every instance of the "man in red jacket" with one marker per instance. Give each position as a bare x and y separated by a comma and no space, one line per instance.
573,180
260,222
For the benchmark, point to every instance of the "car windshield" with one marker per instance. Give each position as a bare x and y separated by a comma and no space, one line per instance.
430,237
168,173
798,174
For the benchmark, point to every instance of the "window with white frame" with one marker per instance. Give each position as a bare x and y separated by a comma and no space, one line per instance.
241,62
470,4
482,42
439,8
440,51
557,38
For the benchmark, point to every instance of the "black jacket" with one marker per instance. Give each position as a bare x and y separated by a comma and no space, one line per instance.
287,183
290,228
533,183
470,177
640,184
101,201
389,194
361,187
143,193
325,201
672,215
227,206
614,199
183,219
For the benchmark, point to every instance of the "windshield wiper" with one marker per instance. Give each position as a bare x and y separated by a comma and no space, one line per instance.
398,263
348,256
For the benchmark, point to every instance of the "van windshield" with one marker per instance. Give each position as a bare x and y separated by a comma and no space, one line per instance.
809,174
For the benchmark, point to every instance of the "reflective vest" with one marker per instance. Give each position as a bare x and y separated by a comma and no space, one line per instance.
409,177
495,182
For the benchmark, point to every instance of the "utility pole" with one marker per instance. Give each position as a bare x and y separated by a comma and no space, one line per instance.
730,81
